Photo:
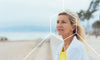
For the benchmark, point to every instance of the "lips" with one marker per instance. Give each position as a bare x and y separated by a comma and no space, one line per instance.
60,29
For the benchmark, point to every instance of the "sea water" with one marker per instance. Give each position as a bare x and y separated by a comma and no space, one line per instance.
12,36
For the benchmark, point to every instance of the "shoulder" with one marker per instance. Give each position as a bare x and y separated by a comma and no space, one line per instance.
77,50
77,44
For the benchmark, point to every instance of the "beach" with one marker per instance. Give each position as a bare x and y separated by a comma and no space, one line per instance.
17,50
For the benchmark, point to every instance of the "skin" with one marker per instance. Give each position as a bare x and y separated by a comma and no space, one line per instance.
65,29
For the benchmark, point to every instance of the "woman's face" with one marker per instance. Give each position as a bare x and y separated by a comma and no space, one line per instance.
63,25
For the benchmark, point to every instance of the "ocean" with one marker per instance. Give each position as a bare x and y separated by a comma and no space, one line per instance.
12,36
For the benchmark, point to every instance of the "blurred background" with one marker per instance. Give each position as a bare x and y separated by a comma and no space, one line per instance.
24,23
21,19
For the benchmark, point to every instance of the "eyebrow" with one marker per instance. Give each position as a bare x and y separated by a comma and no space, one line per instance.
61,20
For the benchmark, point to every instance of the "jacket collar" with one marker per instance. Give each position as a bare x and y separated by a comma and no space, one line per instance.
72,43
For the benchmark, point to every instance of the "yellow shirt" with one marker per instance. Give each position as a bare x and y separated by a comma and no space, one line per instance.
63,54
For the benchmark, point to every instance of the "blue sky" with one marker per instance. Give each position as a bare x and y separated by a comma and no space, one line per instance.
35,12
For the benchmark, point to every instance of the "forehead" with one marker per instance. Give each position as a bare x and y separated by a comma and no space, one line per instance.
63,17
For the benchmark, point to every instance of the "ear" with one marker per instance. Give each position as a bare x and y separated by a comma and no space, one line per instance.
73,27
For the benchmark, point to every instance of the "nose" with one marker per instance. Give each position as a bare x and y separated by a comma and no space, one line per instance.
59,24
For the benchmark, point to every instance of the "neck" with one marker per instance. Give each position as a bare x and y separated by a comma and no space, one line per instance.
67,40
64,36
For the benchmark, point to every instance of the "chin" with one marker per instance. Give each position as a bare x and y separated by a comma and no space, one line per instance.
60,34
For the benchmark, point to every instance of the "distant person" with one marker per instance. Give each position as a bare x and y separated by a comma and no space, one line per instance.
69,27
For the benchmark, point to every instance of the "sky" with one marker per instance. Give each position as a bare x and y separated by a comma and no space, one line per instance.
36,12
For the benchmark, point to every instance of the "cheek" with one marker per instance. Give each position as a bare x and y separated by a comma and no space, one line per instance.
57,27
67,28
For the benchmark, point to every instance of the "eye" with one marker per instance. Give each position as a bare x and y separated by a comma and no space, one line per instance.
57,22
63,22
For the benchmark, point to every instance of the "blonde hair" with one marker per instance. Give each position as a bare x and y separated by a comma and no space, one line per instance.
74,20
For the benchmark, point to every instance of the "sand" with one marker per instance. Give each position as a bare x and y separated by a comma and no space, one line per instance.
95,44
17,50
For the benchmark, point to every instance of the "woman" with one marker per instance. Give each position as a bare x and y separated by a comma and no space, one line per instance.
68,26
